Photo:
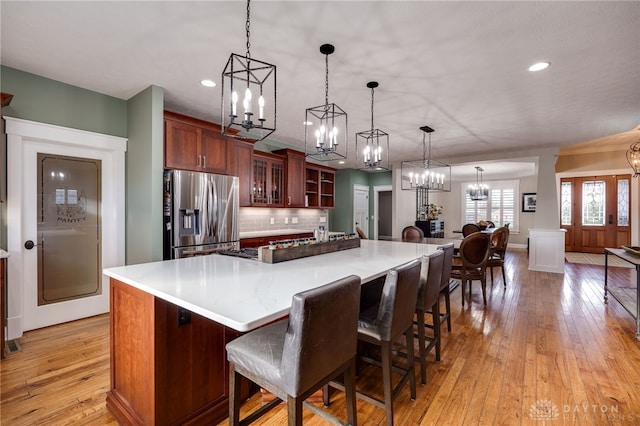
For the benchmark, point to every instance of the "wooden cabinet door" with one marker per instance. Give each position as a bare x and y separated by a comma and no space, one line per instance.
181,146
240,164
267,188
213,152
295,166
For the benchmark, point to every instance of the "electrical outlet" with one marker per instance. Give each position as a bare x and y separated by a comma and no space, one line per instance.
184,316
286,220
294,220
273,221
323,219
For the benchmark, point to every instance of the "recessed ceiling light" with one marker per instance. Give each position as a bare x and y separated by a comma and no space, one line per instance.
307,123
208,83
539,66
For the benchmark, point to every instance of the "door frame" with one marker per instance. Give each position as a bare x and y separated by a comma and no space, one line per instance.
376,205
356,188
24,139
634,214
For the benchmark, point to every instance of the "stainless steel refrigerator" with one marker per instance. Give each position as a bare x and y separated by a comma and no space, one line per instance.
200,213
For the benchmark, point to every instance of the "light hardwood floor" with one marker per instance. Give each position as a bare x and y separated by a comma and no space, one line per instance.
545,348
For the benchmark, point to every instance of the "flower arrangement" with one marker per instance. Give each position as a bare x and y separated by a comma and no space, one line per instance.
433,211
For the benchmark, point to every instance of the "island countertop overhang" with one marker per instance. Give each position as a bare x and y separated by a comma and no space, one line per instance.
245,294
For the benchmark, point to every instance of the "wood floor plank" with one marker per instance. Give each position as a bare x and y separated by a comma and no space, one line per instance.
544,341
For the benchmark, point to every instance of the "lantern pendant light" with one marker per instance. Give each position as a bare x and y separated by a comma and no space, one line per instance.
255,81
370,145
325,136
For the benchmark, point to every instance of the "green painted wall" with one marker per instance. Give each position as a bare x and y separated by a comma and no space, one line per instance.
144,167
44,100
341,217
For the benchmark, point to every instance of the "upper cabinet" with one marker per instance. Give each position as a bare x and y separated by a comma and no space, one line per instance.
294,164
267,189
240,162
192,144
320,186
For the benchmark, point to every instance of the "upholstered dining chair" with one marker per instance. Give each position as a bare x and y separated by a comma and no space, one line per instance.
490,224
381,325
293,358
499,241
412,234
472,263
361,233
469,228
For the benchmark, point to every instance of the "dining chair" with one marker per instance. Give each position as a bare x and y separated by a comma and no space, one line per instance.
382,325
469,228
293,358
412,234
361,233
472,262
490,224
499,241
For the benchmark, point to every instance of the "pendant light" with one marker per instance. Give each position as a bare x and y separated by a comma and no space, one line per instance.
370,143
426,174
478,191
255,81
325,137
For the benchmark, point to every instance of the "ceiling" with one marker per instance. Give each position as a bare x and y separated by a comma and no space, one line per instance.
459,67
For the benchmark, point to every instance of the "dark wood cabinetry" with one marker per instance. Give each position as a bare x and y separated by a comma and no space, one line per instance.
168,365
320,186
241,165
267,188
295,166
192,144
431,228
264,241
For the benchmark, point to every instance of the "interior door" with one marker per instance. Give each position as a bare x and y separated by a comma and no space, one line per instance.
66,211
595,211
361,209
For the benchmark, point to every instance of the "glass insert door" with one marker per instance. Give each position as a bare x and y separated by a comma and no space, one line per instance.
69,254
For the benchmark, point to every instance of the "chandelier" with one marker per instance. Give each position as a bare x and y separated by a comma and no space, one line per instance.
251,78
633,157
373,141
478,191
426,174
325,137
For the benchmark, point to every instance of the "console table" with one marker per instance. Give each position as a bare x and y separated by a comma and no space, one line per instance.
628,297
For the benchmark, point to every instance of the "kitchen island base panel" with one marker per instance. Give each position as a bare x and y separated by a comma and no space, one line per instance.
165,371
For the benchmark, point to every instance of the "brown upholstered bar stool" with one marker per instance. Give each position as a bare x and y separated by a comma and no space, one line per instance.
428,300
383,324
295,357
445,281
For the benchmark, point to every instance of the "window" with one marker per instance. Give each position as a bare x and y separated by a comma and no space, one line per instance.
500,207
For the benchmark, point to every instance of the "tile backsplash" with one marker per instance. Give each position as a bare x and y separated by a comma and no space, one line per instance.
263,219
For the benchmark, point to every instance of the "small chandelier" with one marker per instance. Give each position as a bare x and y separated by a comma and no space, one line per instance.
251,77
327,124
633,157
373,140
478,191
426,174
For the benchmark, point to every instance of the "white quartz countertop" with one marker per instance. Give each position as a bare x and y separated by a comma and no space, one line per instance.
245,294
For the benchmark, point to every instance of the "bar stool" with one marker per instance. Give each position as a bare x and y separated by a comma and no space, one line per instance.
382,325
295,357
429,300
445,282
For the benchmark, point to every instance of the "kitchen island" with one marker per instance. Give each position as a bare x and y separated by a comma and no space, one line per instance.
171,320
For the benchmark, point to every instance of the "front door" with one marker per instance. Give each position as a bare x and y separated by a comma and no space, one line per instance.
595,211
66,222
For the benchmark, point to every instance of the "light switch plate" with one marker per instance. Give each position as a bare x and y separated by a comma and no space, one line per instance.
294,220
273,221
